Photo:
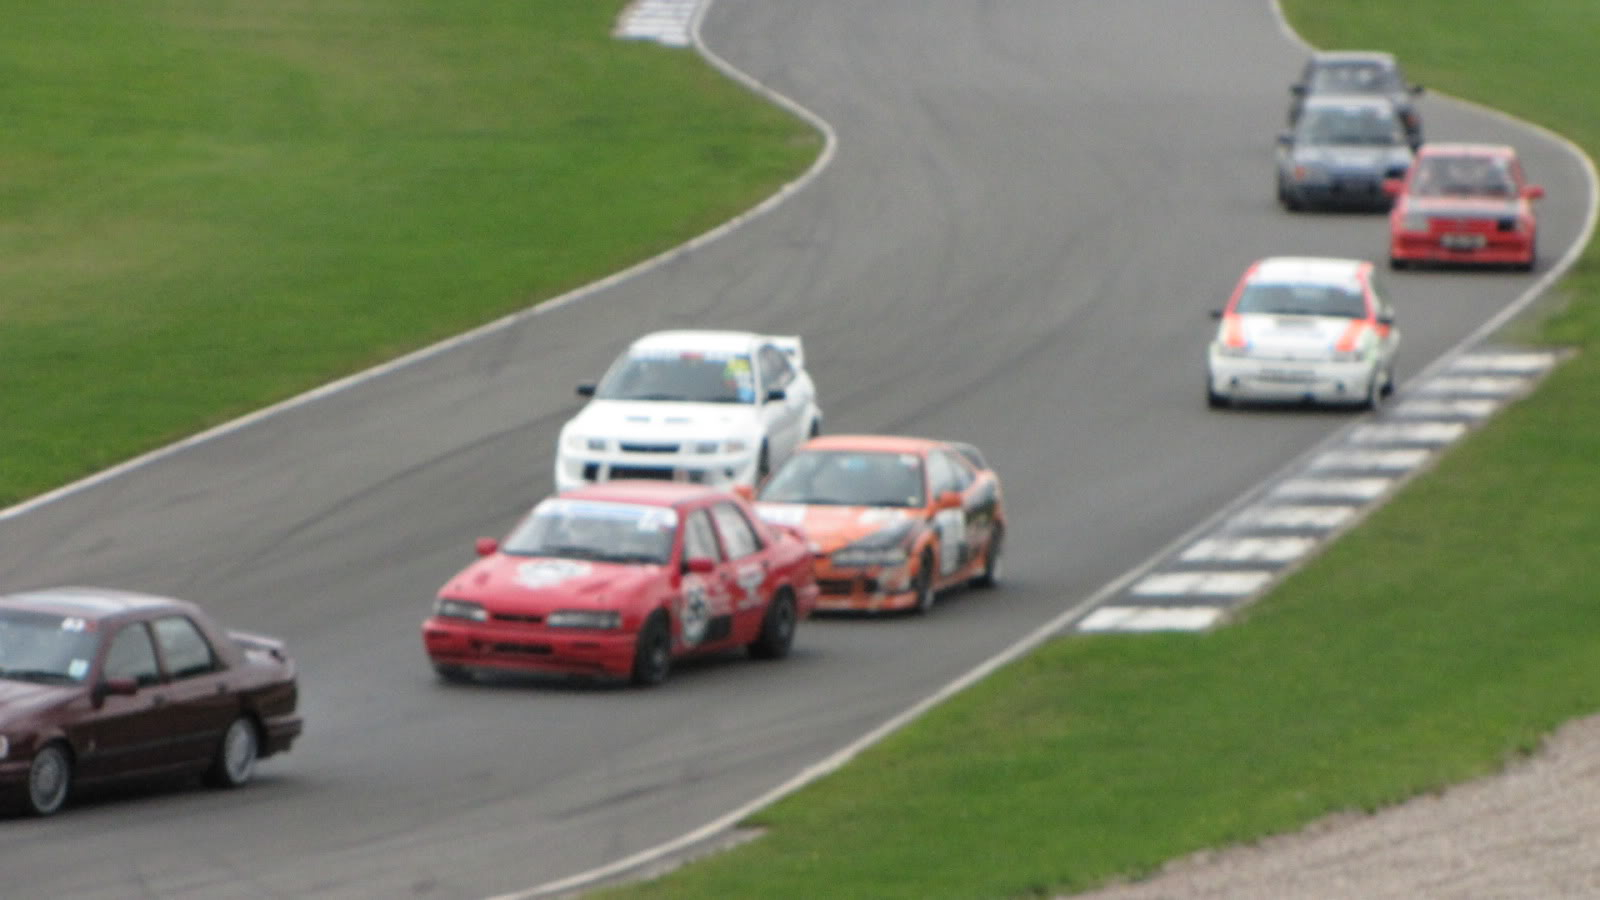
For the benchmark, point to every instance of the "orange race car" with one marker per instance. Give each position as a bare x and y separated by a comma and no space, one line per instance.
892,520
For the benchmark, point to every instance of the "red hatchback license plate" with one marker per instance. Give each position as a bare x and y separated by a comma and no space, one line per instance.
1461,241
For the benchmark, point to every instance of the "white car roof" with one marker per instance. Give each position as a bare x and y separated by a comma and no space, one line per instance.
710,341
1308,270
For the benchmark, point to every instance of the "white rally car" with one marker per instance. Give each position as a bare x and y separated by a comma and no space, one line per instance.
1304,329
707,407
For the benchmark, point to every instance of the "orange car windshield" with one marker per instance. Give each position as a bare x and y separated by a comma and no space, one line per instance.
848,478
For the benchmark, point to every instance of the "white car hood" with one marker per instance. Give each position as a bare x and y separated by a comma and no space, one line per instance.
1295,337
663,421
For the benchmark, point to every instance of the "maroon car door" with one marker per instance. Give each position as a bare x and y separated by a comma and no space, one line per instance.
745,571
122,734
199,691
704,611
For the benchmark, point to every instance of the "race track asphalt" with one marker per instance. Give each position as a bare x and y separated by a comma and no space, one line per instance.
1033,206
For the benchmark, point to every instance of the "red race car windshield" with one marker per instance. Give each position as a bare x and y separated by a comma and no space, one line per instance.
847,478
45,647
1463,176
595,530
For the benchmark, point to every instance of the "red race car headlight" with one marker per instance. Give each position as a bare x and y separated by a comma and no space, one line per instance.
594,619
449,608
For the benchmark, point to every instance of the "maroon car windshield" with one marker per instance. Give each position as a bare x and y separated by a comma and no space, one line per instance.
45,647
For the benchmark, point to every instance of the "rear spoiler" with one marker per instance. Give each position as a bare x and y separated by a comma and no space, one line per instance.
259,643
791,347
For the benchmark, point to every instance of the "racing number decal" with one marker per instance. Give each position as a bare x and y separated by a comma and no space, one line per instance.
952,527
695,613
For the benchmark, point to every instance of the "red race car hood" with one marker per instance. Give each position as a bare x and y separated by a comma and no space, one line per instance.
830,527
19,698
535,584
1463,207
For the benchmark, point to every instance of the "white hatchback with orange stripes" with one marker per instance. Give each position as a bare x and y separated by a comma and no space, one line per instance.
1304,330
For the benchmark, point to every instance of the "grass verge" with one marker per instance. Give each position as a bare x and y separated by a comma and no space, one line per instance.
1441,639
208,207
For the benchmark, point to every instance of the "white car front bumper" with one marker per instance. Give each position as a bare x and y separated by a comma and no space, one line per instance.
575,469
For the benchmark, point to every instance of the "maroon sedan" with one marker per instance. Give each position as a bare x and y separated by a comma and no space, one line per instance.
98,684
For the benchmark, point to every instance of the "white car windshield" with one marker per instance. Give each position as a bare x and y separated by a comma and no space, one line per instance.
1353,78
595,530
1302,300
848,478
46,647
680,375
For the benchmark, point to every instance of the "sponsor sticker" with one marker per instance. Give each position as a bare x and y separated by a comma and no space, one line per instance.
782,513
547,572
696,612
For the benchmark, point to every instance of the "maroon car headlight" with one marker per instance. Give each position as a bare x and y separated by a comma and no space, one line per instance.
5,746
450,608
593,619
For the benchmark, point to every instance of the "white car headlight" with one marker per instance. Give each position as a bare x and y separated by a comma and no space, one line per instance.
1224,349
1348,355
598,619
736,445
584,442
705,448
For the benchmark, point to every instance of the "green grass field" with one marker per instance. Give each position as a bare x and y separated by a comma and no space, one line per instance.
1440,640
207,207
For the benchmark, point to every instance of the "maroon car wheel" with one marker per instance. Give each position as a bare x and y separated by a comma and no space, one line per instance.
236,755
49,779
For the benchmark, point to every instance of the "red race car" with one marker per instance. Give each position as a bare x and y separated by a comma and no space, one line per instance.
618,579
98,684
894,520
1464,203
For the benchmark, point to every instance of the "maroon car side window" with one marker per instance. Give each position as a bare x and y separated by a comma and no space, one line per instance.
131,655
184,648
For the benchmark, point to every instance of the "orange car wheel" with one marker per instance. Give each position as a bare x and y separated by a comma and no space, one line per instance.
923,585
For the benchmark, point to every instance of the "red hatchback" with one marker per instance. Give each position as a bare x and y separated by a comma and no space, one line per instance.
98,684
1464,203
618,579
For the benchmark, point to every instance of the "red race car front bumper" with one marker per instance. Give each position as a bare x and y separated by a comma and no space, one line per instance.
460,642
